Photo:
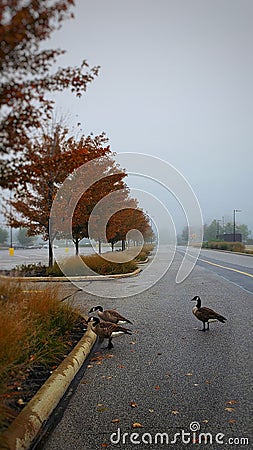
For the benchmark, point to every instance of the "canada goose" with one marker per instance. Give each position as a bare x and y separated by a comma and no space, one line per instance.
206,315
109,315
107,330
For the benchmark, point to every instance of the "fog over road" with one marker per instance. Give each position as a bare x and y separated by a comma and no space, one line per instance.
174,374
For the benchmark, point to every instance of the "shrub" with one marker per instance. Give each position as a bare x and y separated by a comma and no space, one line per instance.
223,245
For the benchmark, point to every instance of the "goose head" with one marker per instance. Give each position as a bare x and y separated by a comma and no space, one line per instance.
96,308
94,320
196,299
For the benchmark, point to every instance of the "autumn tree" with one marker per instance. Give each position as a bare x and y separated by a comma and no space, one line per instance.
27,73
48,162
73,213
129,217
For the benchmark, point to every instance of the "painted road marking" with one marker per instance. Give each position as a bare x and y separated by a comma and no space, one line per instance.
227,268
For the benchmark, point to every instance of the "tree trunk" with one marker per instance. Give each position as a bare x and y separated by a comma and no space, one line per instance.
112,244
123,245
50,253
77,246
99,247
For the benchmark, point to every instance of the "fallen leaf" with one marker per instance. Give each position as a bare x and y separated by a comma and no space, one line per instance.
121,366
96,358
115,420
132,343
232,421
20,401
231,402
189,374
102,409
195,384
109,378
133,404
205,421
151,410
230,409
99,363
157,387
100,404
175,412
104,445
137,425
89,366
208,382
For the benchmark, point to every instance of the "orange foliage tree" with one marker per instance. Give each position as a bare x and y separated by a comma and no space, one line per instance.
73,211
47,163
130,217
27,75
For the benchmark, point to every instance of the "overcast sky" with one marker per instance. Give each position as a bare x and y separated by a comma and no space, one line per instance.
175,82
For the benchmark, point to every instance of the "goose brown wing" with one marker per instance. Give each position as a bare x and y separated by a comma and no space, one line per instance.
117,328
115,316
210,313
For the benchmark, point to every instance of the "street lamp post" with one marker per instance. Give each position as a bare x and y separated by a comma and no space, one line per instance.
235,211
217,228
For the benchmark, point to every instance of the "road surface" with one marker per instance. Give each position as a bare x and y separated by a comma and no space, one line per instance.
236,268
173,380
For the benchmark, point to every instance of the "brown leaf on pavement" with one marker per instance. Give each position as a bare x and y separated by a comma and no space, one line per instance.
133,404
230,409
115,420
157,387
231,402
175,412
137,425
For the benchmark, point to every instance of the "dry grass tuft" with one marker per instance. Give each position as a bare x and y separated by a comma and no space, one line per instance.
94,264
33,330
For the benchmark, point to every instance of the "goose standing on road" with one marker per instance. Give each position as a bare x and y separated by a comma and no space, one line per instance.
107,330
109,315
206,315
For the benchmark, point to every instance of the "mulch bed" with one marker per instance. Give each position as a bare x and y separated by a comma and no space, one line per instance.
25,384
40,271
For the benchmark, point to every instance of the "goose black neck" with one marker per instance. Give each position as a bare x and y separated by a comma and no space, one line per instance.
198,303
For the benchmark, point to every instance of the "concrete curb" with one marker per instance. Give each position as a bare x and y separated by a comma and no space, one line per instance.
77,278
25,428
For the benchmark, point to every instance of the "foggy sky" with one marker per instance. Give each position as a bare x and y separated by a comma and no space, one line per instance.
175,82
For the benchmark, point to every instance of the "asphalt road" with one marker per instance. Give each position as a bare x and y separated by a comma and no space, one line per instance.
236,268
179,379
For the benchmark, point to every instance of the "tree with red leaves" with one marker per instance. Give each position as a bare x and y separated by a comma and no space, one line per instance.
48,161
27,76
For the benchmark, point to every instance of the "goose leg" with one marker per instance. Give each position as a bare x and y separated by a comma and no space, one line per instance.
110,344
208,325
204,326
